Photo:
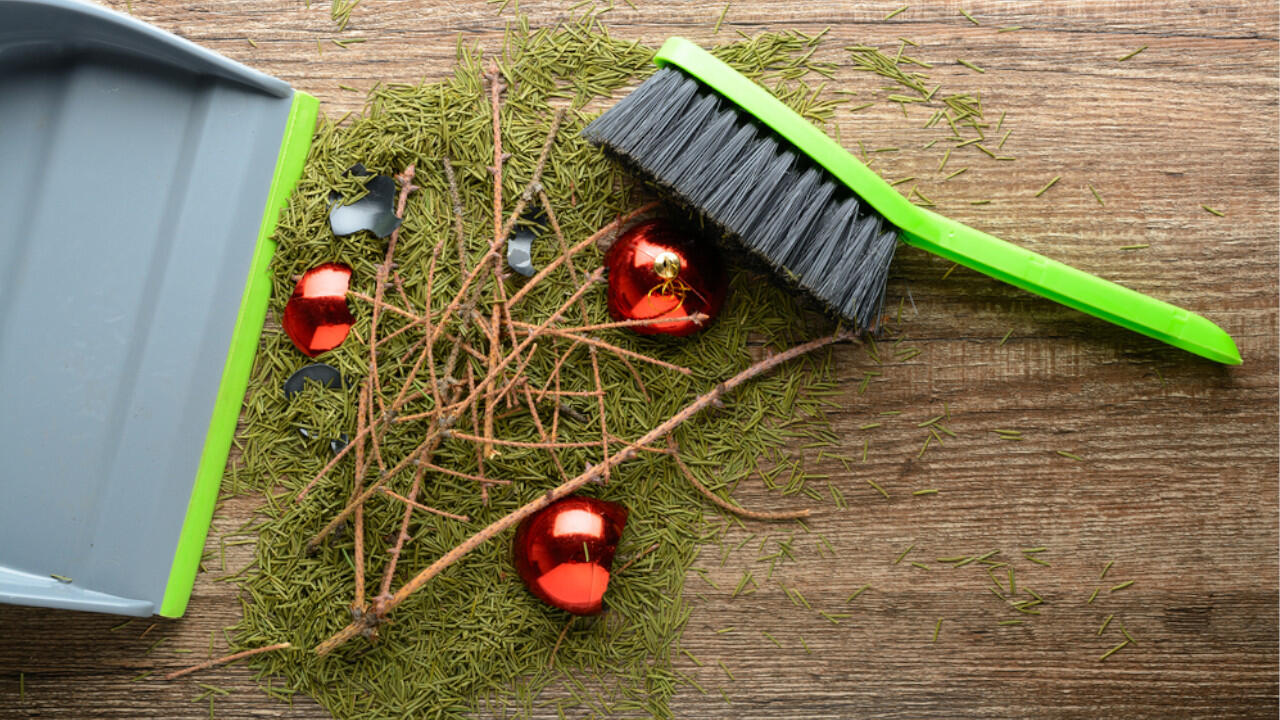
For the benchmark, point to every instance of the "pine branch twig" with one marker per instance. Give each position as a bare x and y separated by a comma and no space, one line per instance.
616,350
361,415
405,179
419,506
583,245
225,659
564,489
636,557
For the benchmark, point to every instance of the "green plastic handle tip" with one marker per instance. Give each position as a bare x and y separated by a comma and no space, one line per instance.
953,240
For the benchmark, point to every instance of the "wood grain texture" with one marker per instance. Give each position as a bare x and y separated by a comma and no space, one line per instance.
1178,481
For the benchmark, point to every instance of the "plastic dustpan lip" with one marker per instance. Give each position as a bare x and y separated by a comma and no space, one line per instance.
235,376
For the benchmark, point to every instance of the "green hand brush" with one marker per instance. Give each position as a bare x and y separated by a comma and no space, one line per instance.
810,209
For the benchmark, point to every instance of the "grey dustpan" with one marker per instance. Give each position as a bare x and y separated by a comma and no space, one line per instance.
141,180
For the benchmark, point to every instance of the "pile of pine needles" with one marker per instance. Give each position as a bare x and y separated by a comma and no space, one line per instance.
452,435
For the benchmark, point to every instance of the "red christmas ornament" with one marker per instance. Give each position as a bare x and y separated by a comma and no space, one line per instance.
564,552
316,317
656,271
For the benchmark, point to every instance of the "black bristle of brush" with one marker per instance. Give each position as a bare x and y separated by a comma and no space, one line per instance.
740,175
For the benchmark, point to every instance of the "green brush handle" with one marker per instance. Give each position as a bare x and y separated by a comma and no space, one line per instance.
953,240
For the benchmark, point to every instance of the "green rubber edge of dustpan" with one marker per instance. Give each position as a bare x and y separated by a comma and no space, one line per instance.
953,240
235,373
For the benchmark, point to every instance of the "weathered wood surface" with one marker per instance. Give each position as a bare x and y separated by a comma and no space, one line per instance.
1179,479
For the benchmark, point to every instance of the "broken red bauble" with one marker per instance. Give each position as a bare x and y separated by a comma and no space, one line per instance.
316,317
564,552
657,270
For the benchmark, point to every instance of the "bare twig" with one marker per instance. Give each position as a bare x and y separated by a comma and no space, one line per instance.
225,659
458,214
411,502
530,336
595,356
425,448
495,246
564,631
457,435
636,557
584,244
361,418
566,488
578,330
406,186
337,457
542,433
464,476
420,506
516,377
495,340
383,305
526,327
471,386
495,92
494,337
371,428
535,181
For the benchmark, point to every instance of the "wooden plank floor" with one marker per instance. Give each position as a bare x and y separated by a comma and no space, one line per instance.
1178,482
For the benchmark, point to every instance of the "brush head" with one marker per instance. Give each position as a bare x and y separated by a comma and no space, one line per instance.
737,173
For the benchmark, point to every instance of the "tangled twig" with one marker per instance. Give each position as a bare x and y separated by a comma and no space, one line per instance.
225,659
564,489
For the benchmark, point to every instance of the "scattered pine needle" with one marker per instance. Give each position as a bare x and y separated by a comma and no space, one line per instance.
897,12
1113,651
1096,195
1048,185
871,482
720,19
1132,54
904,553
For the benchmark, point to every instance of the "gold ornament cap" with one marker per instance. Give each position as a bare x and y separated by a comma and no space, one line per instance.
666,265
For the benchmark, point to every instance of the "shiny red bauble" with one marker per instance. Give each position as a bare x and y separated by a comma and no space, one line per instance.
564,552
658,270
316,317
